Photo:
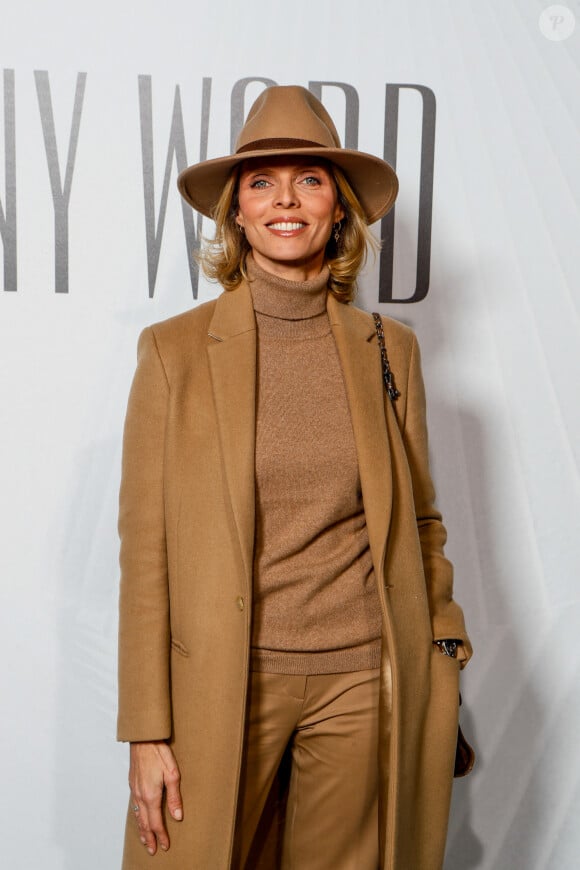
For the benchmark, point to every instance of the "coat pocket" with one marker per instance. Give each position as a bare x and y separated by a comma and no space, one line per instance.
179,648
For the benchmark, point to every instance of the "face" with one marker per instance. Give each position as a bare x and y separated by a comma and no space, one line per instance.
287,207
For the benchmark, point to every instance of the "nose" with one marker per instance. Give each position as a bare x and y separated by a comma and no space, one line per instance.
286,195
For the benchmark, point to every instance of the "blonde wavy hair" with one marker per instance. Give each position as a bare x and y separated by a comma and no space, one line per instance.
223,258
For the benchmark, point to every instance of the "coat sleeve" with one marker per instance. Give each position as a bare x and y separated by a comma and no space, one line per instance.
144,637
446,615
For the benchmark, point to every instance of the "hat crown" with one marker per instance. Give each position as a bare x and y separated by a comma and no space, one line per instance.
287,113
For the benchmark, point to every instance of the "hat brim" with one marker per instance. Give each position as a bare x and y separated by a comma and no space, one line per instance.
374,182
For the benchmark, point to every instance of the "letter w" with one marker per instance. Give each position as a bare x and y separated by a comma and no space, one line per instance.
176,151
8,218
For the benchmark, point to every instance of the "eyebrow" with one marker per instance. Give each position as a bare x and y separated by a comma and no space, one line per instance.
298,167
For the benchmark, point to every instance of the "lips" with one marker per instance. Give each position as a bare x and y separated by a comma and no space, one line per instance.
286,226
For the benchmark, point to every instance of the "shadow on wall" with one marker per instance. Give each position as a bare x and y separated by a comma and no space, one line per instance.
500,701
90,768
506,798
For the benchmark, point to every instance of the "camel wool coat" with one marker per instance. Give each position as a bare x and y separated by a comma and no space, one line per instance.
186,524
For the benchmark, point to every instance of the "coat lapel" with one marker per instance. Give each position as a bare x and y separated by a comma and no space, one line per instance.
359,355
232,360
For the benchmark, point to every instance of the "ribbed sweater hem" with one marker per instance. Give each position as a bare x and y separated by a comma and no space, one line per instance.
339,661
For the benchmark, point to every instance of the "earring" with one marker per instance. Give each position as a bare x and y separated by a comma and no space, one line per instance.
240,228
337,228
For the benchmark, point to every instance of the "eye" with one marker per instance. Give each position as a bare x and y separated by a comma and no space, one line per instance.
311,180
259,184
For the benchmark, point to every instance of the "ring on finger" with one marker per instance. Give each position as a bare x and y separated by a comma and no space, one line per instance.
135,808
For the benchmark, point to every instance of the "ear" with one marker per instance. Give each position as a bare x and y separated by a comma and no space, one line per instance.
339,213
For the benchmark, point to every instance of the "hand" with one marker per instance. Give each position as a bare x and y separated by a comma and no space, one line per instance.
448,646
153,767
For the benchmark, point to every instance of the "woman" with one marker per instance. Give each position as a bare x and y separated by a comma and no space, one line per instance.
284,590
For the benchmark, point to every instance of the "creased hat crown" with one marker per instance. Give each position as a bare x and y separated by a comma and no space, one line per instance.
287,115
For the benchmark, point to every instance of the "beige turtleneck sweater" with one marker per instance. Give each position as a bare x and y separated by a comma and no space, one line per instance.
316,607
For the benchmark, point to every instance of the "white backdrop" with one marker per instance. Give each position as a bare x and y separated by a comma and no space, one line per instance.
498,328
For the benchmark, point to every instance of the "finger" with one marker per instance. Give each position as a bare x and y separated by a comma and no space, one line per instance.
153,826
146,834
157,830
171,781
174,802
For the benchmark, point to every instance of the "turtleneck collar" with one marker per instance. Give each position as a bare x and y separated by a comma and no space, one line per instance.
284,299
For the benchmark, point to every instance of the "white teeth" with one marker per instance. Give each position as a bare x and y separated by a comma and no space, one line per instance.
286,226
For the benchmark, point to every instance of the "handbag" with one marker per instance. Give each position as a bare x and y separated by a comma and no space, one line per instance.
464,753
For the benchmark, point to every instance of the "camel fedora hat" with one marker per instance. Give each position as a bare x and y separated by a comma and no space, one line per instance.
290,121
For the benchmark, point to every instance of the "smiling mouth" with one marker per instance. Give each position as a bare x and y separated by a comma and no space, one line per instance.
286,226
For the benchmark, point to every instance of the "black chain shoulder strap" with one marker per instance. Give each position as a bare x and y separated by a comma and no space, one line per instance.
390,387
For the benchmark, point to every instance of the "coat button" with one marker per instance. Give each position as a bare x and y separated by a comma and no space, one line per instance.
240,602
